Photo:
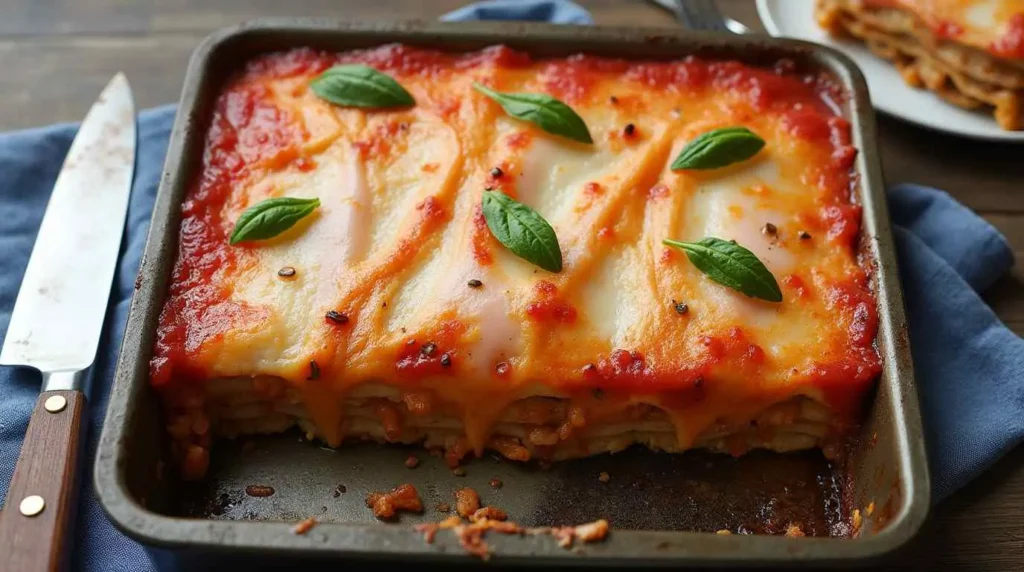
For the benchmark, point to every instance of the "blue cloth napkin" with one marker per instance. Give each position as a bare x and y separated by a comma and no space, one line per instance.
970,368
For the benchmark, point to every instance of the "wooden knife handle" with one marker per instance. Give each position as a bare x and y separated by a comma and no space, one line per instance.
34,525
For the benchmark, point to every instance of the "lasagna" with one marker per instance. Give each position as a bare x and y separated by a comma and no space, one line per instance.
969,52
392,313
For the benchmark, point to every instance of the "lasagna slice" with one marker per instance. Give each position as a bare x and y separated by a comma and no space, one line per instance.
969,52
392,313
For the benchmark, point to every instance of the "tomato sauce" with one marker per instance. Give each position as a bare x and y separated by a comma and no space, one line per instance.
1011,45
249,132
947,29
549,307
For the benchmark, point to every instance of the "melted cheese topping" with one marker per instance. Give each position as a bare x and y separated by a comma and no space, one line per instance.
400,234
995,26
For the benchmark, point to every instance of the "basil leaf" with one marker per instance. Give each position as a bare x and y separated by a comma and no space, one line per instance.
719,148
360,86
542,110
271,217
730,264
522,230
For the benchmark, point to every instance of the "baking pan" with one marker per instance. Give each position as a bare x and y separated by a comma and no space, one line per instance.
663,508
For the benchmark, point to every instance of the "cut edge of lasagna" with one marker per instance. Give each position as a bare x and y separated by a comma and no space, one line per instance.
451,341
544,428
929,56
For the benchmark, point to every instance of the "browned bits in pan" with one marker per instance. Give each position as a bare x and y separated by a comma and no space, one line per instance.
467,502
488,513
412,461
259,491
604,477
402,497
304,526
592,531
496,483
459,472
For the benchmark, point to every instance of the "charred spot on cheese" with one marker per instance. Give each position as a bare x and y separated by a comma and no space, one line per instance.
502,368
804,235
336,317
497,172
446,359
769,229
314,371
613,100
286,272
629,130
428,349
680,307
474,283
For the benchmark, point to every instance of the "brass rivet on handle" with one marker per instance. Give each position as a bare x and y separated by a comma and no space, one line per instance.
55,403
32,505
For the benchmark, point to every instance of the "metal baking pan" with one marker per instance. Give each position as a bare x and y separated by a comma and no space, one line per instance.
664,509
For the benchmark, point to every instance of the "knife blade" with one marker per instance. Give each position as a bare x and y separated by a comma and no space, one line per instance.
57,321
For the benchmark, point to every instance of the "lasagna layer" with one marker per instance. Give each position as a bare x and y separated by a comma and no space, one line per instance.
451,339
946,47
540,427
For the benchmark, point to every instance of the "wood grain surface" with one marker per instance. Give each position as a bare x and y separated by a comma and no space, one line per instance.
58,54
48,468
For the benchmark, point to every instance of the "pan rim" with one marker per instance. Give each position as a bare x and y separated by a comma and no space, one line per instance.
623,546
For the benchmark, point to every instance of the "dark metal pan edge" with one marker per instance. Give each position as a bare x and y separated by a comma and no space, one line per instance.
623,546
892,338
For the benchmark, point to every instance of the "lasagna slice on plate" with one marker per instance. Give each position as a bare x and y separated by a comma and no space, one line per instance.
969,52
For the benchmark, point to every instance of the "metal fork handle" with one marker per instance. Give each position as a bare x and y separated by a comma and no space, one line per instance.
704,15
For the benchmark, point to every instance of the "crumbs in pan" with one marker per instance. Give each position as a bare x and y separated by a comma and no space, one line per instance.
386,505
304,526
485,519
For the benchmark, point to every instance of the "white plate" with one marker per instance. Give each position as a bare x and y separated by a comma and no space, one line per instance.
889,93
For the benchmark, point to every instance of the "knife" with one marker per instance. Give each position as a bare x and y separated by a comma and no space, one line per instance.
56,324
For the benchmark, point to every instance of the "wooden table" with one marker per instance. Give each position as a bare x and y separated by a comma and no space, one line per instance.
56,55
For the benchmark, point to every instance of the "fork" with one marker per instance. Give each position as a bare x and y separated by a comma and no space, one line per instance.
702,15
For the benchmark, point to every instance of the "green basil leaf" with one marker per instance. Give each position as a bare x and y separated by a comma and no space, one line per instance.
360,86
730,264
719,148
522,230
271,217
544,111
